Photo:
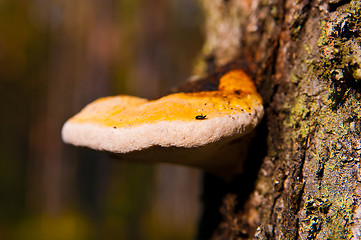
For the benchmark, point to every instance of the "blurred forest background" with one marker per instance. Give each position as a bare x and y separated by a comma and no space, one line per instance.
55,57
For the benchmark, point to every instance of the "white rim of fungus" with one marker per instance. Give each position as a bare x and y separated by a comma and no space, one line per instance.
187,134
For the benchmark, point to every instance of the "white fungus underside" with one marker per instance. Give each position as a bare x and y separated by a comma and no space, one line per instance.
186,134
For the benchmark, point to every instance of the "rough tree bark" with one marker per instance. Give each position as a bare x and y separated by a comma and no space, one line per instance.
303,170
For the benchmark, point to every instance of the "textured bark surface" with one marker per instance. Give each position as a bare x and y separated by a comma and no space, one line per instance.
303,171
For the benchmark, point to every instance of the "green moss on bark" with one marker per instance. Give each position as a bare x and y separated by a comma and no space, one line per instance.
322,122
340,49
321,125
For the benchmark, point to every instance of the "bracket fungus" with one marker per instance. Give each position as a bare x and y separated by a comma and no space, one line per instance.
202,126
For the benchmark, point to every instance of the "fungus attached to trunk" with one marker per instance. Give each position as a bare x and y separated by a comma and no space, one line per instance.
204,129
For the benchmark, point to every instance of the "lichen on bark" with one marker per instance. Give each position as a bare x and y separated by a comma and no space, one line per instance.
320,127
331,169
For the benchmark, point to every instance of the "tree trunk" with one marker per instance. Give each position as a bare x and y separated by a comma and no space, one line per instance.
302,177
